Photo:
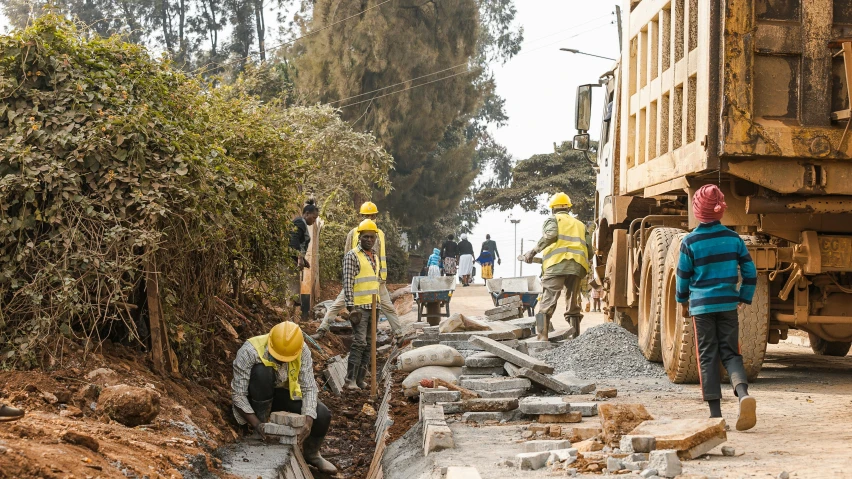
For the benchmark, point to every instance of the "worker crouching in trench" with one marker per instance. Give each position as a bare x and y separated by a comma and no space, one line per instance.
274,372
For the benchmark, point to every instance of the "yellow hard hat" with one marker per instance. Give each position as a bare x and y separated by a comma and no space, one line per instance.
560,199
368,225
285,341
369,208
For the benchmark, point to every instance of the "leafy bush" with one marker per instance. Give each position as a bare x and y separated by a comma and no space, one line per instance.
112,162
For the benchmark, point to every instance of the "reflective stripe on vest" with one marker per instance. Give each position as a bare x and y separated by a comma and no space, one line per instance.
570,243
383,260
293,367
366,282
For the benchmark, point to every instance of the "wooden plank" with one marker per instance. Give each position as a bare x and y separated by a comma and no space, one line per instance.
155,319
301,463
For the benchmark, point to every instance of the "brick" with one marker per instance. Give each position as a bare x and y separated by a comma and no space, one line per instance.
466,472
489,405
279,430
543,405
436,438
484,360
507,393
569,417
666,462
554,383
691,438
640,444
512,356
288,440
531,461
492,371
546,445
587,409
495,384
434,397
555,431
481,417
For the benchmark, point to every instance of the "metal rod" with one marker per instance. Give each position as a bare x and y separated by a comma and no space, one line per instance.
374,327
789,318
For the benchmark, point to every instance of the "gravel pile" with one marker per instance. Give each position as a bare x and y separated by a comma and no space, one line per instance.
604,351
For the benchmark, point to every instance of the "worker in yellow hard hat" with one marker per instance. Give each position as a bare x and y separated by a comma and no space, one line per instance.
274,372
566,248
361,267
368,211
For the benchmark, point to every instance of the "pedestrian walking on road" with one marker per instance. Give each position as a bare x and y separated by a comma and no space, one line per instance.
465,260
596,298
450,256
566,248
487,262
712,260
368,211
274,372
433,266
490,246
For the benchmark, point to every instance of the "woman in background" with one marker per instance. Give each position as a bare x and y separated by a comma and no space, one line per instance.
433,266
465,260
486,260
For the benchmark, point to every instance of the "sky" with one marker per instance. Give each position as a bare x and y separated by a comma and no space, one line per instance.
539,86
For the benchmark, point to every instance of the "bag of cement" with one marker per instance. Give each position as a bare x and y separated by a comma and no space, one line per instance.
410,384
434,355
460,322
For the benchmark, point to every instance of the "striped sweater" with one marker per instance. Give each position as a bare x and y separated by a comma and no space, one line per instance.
712,258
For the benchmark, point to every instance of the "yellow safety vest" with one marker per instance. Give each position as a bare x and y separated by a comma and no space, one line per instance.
571,243
293,367
367,282
383,260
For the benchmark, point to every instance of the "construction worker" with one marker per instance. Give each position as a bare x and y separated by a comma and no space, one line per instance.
566,248
369,211
361,268
712,260
274,372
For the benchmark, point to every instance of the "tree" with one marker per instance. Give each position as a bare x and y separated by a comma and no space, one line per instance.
565,170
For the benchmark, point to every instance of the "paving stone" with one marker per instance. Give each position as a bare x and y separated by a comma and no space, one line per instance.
466,472
279,430
509,307
436,438
432,413
484,360
489,405
569,417
419,343
587,409
689,437
454,407
574,385
511,355
461,345
495,384
547,445
607,393
728,451
434,397
613,464
288,440
543,405
666,462
469,377
431,330
508,393
481,417
554,383
630,443
525,322
531,461
492,371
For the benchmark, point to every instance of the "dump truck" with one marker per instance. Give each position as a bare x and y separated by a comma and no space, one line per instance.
750,95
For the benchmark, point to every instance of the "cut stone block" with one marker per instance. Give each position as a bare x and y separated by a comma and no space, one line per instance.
589,445
481,417
620,419
335,374
457,472
510,300
484,360
287,419
569,417
557,383
666,462
508,393
288,440
638,457
587,409
419,343
562,455
432,413
613,464
641,444
492,371
648,473
436,438
466,335
689,437
452,407
461,345
509,307
495,384
525,322
607,393
560,335
468,377
279,430
531,461
511,355
514,416
574,385
543,405
434,397
581,433
548,445
489,405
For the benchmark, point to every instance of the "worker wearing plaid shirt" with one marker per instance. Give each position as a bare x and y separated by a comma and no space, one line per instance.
360,286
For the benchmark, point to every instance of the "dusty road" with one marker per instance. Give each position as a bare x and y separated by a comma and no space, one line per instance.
804,408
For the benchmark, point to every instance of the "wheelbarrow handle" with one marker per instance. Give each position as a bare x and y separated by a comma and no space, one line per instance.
535,260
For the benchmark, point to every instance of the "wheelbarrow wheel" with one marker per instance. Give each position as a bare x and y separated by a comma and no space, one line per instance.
433,313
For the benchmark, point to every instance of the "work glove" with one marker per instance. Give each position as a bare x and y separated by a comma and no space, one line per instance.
529,255
355,315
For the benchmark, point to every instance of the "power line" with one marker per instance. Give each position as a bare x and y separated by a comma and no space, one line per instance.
409,88
398,84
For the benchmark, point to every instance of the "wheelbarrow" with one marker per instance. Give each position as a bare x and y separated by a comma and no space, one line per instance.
432,294
527,287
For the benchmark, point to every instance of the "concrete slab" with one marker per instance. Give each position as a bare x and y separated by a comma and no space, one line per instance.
560,383
543,405
486,371
434,397
489,405
689,437
495,384
506,393
479,361
546,445
666,463
587,409
481,417
511,355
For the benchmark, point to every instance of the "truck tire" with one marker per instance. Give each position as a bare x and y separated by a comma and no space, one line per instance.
828,348
754,328
651,289
678,335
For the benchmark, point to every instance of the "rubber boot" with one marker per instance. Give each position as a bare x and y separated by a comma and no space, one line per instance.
747,418
319,334
574,321
351,368
360,378
311,450
8,413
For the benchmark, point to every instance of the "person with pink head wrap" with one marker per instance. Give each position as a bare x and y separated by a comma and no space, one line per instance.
713,262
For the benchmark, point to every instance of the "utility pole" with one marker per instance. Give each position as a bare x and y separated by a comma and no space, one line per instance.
515,222
520,252
618,22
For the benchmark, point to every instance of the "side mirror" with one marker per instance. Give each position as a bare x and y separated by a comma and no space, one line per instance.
581,142
583,113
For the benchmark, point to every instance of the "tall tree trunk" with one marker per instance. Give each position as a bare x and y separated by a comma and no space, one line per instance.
167,30
181,36
261,28
212,25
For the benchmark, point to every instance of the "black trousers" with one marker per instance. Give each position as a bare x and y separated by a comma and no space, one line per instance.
717,341
262,392
362,336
